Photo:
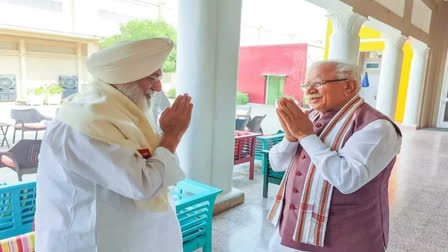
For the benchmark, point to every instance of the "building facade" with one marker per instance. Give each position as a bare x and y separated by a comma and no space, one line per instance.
269,72
48,41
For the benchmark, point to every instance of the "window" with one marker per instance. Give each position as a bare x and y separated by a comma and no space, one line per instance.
372,66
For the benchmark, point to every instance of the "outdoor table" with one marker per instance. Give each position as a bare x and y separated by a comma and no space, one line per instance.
3,131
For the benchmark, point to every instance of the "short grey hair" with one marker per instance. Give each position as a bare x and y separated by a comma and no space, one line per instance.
344,70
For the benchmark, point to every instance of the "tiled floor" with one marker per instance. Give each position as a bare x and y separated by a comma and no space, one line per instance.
418,201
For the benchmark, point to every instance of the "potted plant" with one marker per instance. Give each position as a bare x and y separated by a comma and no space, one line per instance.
54,94
36,96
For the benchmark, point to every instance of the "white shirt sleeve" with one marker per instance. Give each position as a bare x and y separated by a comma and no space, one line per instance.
365,154
281,154
115,168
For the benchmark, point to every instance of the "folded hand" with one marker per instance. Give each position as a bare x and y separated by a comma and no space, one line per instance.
294,119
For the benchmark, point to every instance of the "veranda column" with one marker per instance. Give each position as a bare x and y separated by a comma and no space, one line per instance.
344,42
91,48
79,66
390,74
416,81
207,65
20,89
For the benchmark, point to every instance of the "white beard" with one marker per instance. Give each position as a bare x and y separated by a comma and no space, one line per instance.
143,100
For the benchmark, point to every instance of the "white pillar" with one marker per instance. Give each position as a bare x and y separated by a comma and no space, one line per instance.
20,89
207,66
91,48
344,42
390,74
79,60
416,82
79,67
73,12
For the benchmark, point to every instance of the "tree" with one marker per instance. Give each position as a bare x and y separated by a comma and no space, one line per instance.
145,28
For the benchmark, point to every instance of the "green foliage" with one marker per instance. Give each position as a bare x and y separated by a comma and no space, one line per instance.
54,89
171,93
51,89
36,91
242,98
39,91
145,28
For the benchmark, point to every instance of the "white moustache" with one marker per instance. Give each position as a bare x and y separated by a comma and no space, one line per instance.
149,94
314,96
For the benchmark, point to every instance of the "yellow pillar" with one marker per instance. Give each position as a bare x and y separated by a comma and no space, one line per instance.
404,80
327,39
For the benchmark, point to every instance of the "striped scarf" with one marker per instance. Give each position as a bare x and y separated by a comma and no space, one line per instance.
21,243
316,197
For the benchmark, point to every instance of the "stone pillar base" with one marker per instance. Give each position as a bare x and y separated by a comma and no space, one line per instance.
407,126
227,201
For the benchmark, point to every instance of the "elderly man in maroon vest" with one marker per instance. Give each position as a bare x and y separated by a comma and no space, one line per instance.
338,158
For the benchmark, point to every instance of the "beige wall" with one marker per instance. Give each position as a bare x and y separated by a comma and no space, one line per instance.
41,70
436,68
9,64
42,60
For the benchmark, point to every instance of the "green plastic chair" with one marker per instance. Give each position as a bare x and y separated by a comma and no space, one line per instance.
17,207
269,175
266,142
194,206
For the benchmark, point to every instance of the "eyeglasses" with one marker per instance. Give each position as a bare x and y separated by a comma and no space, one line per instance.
155,78
317,84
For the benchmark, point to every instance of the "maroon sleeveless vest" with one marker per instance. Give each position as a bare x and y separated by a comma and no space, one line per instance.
358,221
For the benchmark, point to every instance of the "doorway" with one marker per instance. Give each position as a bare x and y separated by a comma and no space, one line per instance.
274,88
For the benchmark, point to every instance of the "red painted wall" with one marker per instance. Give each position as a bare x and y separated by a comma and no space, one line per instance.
274,59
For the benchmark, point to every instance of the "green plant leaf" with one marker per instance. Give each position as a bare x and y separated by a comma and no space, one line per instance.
242,98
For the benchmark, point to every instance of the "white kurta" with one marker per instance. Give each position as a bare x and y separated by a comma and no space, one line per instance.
86,191
365,154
